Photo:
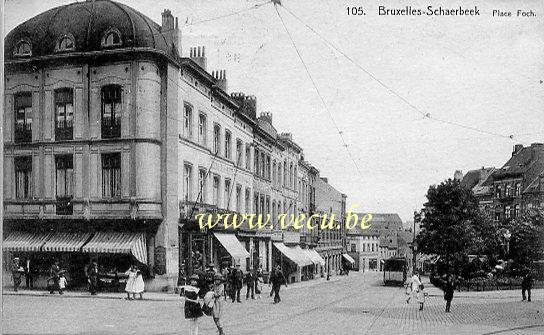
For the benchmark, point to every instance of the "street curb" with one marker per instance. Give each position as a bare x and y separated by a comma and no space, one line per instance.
65,296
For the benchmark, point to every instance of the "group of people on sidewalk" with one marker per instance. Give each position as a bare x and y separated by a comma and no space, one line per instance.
205,294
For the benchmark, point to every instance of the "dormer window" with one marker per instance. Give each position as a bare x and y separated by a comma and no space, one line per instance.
112,38
23,49
65,43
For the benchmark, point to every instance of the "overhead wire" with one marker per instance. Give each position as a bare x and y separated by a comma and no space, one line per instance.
389,89
318,91
228,15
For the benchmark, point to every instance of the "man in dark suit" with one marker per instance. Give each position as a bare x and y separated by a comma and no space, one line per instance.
237,278
276,280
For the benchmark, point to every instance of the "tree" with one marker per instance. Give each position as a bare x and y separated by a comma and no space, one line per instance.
527,238
453,227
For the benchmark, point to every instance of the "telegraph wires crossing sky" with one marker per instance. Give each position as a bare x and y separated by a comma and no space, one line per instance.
390,90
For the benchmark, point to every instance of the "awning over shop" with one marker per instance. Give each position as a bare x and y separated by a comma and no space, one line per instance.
118,243
295,254
233,246
348,258
19,241
66,242
315,257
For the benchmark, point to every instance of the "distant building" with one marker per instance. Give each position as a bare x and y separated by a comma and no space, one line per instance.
364,247
480,181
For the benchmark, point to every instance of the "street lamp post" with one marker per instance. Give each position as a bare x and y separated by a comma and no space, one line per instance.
507,237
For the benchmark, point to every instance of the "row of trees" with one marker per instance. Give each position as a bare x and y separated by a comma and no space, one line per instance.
453,227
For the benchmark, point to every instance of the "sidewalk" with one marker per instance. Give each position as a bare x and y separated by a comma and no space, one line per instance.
148,296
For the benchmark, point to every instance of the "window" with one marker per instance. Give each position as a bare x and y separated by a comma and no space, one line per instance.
256,204
508,190
291,181
64,113
256,164
187,181
111,111
64,183
227,144
111,175
263,165
216,191
284,174
65,43
497,191
507,212
238,152
216,139
111,38
248,157
518,189
516,211
23,117
248,200
187,121
353,247
274,173
22,49
202,128
227,193
239,198
279,175
202,184
23,177
268,167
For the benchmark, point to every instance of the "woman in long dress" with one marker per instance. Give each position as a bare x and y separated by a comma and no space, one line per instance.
218,291
139,285
129,287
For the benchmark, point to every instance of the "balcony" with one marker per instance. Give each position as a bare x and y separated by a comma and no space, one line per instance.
111,128
23,133
64,206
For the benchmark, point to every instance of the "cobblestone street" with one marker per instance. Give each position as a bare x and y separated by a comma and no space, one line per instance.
357,304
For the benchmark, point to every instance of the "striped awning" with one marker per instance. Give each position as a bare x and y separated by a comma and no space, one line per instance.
19,241
66,242
118,243
232,245
315,257
296,255
348,258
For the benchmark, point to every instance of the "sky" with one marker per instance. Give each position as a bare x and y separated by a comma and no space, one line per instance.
483,72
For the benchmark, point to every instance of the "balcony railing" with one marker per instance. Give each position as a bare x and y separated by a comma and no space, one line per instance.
64,130
64,206
111,128
23,133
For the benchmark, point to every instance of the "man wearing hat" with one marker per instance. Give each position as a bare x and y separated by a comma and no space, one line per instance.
54,275
92,277
16,273
277,279
237,283
218,291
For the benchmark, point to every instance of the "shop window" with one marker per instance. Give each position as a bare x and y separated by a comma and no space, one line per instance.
111,175
23,117
64,113
23,177
111,111
64,183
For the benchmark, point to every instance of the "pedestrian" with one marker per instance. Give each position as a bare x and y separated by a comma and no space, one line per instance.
250,284
259,282
448,292
226,275
92,277
237,283
62,283
527,285
276,280
29,274
54,273
139,285
16,272
421,296
415,282
193,311
218,290
129,286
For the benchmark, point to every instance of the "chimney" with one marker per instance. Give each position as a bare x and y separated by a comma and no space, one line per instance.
198,54
287,136
325,179
221,77
170,30
517,148
458,175
248,104
267,116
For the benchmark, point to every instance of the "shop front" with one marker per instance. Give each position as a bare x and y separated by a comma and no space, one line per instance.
114,252
295,263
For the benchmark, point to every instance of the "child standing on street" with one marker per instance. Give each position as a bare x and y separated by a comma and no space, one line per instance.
421,295
62,283
193,311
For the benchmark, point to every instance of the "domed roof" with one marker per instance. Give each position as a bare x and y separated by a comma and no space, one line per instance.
86,24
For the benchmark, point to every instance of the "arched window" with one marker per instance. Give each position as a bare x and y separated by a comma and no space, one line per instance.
111,38
23,48
65,43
